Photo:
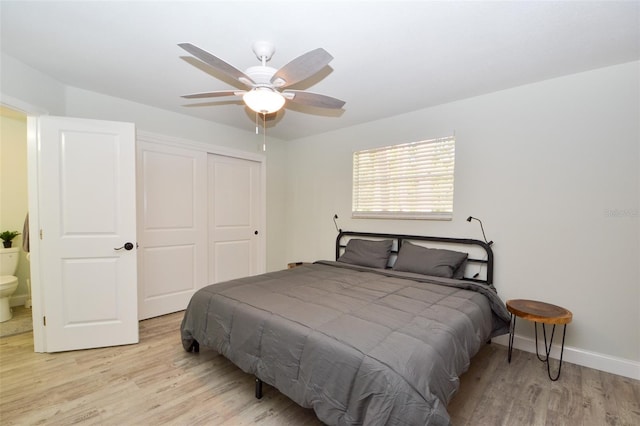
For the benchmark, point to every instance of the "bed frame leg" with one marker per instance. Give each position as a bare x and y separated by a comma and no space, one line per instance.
195,347
258,388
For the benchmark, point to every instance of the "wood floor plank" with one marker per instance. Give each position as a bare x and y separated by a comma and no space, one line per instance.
566,400
596,403
531,399
157,383
620,393
473,384
497,396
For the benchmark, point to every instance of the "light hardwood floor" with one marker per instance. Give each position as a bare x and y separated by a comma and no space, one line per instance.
157,383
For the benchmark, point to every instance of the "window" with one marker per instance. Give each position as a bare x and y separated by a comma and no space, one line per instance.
407,181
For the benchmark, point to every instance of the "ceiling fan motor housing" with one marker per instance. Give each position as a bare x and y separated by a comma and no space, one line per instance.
261,75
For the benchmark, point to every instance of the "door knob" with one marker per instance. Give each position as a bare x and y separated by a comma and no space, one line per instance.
126,246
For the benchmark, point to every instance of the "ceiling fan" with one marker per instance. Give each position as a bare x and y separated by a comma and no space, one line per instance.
267,88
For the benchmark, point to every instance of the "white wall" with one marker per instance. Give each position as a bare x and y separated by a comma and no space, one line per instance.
29,86
551,169
86,104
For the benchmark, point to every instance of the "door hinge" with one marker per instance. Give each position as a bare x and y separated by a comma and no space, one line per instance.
40,233
44,321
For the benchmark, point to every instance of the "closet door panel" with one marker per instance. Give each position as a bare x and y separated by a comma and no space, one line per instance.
235,208
172,227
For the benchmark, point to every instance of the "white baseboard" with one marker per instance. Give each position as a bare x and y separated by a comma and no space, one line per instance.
598,361
18,299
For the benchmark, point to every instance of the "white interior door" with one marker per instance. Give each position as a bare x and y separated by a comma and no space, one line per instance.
235,212
86,214
172,206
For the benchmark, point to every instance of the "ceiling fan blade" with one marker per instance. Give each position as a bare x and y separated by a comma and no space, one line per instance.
216,63
216,94
302,67
313,99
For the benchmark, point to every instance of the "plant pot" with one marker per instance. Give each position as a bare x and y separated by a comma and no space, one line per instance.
7,244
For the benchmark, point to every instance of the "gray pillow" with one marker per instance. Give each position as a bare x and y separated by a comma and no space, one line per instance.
458,274
374,254
428,261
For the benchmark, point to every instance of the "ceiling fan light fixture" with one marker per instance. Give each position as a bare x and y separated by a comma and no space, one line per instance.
265,85
263,100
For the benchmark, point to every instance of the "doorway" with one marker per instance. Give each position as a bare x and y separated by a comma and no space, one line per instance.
13,210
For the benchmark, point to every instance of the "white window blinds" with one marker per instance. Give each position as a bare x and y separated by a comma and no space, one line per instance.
406,181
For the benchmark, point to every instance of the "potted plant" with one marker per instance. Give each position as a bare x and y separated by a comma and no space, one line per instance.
7,236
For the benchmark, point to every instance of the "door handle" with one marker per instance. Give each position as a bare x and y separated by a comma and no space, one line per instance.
126,246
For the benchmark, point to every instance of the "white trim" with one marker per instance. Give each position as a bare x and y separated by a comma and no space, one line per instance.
402,215
185,143
603,362
37,292
18,300
18,105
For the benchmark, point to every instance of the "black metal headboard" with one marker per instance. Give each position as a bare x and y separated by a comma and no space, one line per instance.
485,262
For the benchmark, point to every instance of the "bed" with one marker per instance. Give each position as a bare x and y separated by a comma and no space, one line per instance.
378,336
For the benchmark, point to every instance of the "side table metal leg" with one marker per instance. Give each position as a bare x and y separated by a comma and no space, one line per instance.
544,333
547,348
512,331
553,379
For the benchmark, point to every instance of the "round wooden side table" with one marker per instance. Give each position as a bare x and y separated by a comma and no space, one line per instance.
544,313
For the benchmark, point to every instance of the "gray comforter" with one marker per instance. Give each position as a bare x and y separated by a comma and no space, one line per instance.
358,345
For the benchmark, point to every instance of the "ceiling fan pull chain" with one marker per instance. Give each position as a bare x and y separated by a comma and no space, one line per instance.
264,132
257,124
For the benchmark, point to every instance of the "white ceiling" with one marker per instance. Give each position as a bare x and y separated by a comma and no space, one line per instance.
389,57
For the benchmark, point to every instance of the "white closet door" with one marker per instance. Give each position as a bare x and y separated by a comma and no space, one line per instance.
172,227
236,237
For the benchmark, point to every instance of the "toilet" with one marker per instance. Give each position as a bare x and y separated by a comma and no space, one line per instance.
8,282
